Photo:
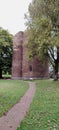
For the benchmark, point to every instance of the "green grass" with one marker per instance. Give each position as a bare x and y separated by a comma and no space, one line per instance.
44,110
10,93
6,76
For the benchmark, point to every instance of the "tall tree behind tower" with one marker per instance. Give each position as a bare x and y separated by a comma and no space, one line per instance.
43,31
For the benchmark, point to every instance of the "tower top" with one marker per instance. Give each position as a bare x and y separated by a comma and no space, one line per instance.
18,38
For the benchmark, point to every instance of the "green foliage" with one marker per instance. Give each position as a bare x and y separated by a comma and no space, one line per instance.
5,50
10,93
43,27
43,112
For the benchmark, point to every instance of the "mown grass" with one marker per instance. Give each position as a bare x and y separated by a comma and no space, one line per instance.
10,93
44,110
6,76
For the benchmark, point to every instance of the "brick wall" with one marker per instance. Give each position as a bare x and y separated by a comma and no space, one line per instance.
21,67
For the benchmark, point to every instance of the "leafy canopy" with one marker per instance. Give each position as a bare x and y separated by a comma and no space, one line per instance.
5,50
43,26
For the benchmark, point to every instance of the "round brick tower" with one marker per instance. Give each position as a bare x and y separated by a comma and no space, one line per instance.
21,67
17,55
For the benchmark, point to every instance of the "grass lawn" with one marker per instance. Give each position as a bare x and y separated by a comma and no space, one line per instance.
44,110
6,76
10,93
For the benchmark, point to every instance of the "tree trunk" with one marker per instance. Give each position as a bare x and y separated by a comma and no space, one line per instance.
56,70
0,73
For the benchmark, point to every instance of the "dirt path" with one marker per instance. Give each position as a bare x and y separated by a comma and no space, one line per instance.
16,114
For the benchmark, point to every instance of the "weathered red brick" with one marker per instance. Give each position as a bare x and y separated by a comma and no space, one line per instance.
21,67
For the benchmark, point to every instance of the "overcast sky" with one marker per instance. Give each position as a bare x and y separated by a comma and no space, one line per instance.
12,14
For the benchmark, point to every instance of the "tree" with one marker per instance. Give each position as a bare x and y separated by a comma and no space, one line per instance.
43,31
5,51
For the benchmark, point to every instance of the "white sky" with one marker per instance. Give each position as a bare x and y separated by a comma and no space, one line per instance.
12,14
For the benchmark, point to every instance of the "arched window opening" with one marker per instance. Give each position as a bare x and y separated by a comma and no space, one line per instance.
30,67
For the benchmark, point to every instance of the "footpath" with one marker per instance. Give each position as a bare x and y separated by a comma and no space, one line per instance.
16,114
